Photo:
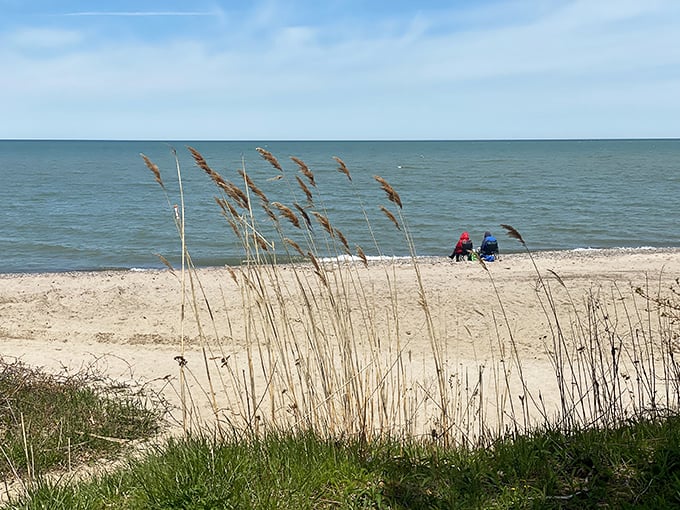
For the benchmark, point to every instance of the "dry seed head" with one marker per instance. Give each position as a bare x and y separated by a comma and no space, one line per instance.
325,223
559,279
232,210
261,242
236,194
390,216
343,240
287,213
166,262
222,203
203,164
392,195
234,227
305,170
253,187
295,246
269,157
229,213
342,168
512,232
154,168
362,256
305,189
304,214
200,161
317,268
232,273
270,213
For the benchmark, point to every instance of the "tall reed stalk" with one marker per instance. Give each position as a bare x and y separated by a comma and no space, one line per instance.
318,346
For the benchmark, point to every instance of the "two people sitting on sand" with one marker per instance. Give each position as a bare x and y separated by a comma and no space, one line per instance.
488,252
463,249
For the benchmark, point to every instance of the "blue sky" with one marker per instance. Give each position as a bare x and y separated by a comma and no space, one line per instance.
339,69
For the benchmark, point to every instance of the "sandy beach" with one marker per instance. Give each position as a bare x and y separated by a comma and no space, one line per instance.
128,324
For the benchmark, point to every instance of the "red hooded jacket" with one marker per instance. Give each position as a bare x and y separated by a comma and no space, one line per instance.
464,245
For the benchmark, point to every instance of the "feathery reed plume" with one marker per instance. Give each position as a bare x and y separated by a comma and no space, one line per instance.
253,187
154,168
325,223
305,170
392,195
317,268
222,203
232,273
343,240
390,216
261,242
269,157
557,277
362,256
166,262
200,160
270,213
342,168
304,214
214,176
295,246
233,226
305,189
512,232
236,194
227,209
287,213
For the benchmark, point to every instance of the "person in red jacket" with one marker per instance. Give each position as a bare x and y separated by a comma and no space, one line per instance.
463,249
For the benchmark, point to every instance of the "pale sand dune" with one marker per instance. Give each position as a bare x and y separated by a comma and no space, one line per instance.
128,323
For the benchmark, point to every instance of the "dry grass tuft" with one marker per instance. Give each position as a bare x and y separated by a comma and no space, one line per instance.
325,223
154,168
392,195
305,170
304,214
342,168
390,216
253,187
236,194
305,189
269,157
513,233
343,240
287,213
362,256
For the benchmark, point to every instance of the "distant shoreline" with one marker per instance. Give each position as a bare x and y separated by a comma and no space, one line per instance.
576,253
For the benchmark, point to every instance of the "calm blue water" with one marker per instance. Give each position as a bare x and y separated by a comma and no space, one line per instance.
77,205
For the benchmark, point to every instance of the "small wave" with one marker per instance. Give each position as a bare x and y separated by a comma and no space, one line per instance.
370,258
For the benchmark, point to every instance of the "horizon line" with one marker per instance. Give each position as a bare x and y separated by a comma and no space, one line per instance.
338,139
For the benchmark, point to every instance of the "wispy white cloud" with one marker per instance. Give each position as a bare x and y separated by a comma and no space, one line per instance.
140,13
559,70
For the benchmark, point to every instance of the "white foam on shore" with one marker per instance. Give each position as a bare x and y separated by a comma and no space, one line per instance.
371,258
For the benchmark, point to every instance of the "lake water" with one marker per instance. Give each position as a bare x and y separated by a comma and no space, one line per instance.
93,205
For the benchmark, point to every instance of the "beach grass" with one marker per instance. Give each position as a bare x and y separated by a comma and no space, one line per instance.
326,352
632,466
57,423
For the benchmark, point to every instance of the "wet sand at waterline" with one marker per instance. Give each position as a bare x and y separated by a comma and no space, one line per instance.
127,324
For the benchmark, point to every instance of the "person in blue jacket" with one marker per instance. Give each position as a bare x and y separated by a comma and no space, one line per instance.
488,251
